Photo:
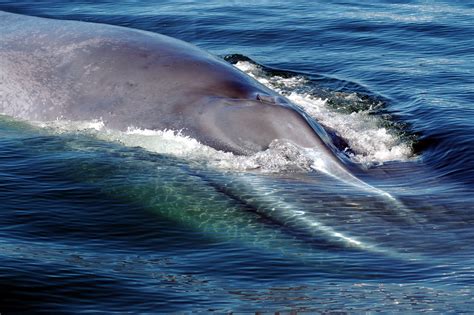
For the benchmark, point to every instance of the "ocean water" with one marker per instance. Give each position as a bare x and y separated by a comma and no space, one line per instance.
95,220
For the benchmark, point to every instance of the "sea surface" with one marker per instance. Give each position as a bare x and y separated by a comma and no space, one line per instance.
94,220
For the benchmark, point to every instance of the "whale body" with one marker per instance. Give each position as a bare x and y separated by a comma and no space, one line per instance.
78,71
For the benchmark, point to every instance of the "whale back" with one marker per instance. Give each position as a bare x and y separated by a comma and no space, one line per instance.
130,78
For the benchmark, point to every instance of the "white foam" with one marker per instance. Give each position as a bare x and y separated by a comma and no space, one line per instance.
280,156
370,143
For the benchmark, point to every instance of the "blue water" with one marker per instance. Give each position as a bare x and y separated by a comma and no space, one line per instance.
88,224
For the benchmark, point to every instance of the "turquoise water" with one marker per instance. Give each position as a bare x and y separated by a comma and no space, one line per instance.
94,220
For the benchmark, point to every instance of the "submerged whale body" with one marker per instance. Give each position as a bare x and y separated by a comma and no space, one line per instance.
79,71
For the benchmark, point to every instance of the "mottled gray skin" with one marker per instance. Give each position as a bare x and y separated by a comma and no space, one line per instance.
52,69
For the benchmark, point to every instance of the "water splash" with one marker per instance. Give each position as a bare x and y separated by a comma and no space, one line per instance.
370,139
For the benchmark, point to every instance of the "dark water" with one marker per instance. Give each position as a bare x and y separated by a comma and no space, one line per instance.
88,224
